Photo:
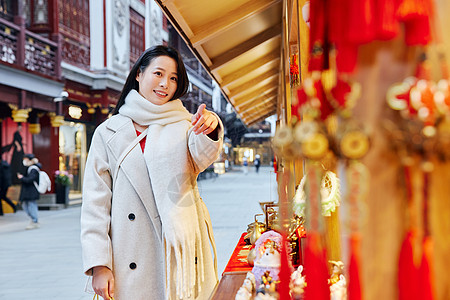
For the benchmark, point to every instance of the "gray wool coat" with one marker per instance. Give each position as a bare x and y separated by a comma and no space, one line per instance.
122,230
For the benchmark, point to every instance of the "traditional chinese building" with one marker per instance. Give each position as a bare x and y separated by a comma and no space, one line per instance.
62,67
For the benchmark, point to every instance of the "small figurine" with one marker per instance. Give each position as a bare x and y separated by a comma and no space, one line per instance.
338,291
246,290
338,269
337,281
268,257
298,284
243,294
251,277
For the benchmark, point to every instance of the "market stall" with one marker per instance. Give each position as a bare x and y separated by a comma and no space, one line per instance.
363,111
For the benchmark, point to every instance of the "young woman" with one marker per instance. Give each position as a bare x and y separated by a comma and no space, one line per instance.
145,231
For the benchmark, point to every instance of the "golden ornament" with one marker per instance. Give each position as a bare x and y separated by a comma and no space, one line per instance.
354,145
315,147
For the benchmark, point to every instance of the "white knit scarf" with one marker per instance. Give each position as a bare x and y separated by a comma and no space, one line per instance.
172,189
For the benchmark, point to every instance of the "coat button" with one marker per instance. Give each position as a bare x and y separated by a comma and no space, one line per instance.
131,217
133,266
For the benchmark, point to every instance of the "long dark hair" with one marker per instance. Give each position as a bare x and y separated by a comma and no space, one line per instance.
143,62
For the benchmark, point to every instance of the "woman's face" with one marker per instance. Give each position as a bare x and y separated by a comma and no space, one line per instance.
158,82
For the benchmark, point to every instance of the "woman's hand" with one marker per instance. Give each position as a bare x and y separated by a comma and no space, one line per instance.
103,282
204,121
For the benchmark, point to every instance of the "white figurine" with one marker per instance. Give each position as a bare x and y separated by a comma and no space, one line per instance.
338,291
298,281
243,294
251,277
248,285
261,296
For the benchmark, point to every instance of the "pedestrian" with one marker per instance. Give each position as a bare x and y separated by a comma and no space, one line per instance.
245,165
5,183
29,195
257,162
145,231
17,155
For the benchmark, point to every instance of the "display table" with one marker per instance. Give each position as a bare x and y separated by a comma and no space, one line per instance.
238,260
234,274
236,270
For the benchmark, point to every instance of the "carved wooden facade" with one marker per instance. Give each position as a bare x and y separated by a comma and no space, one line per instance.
74,27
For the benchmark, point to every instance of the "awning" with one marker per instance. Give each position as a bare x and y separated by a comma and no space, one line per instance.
239,44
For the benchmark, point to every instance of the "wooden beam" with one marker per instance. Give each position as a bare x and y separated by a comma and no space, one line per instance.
203,54
256,94
236,75
207,31
246,46
259,112
259,118
176,16
262,97
256,104
252,84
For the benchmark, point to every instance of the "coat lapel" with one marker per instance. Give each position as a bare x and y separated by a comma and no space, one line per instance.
133,165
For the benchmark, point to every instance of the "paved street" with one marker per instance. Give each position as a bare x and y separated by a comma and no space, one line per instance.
45,264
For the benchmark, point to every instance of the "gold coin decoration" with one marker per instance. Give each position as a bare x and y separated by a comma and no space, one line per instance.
304,130
315,147
283,136
354,145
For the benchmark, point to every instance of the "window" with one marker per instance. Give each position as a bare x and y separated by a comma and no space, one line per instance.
74,26
137,38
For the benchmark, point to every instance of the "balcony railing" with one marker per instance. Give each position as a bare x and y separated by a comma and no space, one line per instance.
27,50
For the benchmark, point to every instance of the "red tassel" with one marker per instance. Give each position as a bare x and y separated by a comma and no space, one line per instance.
417,18
410,9
325,107
362,21
285,272
354,284
417,31
426,278
316,269
387,23
346,57
302,98
407,271
340,92
317,35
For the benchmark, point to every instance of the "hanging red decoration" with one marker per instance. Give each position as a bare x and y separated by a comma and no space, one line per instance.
426,278
285,271
316,269
354,286
407,271
318,39
325,107
387,25
294,71
361,22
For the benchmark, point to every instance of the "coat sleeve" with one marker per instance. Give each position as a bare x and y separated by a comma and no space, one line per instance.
31,176
96,207
204,151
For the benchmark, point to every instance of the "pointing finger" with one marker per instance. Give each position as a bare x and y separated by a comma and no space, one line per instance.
201,109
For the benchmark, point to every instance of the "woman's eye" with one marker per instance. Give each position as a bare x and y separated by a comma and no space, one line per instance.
158,73
174,79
